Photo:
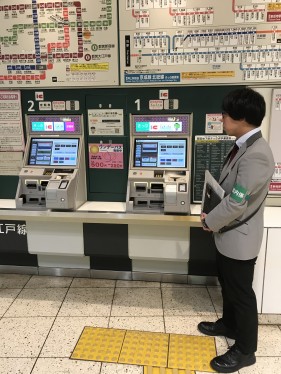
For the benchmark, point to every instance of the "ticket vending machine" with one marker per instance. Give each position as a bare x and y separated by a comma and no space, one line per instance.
53,172
159,167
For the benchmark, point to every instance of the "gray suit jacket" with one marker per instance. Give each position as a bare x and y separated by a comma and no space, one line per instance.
245,181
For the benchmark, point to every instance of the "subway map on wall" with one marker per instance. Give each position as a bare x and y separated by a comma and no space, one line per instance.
200,41
58,43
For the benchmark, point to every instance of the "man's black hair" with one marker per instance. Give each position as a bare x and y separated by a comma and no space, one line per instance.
245,104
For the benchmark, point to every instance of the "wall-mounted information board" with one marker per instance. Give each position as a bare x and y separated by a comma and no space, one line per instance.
209,153
77,43
58,43
195,41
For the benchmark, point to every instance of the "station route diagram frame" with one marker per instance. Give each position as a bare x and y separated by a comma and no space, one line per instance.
91,43
58,43
200,41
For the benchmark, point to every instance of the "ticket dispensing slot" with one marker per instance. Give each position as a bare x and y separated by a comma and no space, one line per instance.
53,175
156,187
33,184
159,167
140,186
44,184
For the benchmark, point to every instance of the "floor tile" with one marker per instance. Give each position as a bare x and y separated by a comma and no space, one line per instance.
99,344
108,368
89,282
87,302
13,280
185,324
130,305
7,296
144,348
66,332
137,302
187,301
131,284
269,341
222,345
235,372
188,326
152,324
37,302
264,365
16,366
47,281
23,337
65,366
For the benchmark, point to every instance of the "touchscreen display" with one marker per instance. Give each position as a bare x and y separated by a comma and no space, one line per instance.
160,153
53,152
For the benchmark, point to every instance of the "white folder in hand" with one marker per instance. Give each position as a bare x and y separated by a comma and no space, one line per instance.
213,193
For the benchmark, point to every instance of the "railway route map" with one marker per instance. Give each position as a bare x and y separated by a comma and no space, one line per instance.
58,43
200,41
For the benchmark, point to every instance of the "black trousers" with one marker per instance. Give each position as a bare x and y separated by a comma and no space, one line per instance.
239,300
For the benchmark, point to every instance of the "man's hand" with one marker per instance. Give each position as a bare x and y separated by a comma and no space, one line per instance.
204,225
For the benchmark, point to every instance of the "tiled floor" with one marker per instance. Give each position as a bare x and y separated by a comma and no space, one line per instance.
42,318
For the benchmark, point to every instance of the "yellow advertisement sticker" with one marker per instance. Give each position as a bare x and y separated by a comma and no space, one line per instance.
103,66
207,74
273,6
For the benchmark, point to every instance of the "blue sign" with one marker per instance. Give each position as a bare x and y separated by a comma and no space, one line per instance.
152,78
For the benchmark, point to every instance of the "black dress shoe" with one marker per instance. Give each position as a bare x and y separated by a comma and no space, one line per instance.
215,329
232,361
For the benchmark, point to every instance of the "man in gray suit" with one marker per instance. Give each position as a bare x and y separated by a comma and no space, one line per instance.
237,224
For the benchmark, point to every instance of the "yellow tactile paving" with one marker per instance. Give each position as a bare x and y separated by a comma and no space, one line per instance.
99,344
191,352
145,348
159,353
154,370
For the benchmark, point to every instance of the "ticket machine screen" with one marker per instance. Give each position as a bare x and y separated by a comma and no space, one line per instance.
160,153
53,152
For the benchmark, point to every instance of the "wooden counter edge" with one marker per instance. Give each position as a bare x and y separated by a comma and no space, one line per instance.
100,217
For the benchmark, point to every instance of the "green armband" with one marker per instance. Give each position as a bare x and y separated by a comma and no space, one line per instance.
239,193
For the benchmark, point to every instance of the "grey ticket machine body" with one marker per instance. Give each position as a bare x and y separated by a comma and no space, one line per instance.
159,168
53,172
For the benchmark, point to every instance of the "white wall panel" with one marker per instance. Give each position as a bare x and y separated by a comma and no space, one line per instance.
272,278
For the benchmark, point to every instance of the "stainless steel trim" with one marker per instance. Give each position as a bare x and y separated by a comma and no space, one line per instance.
111,274
64,272
203,280
159,277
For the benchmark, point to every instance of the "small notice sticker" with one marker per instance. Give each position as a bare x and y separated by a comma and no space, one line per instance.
156,104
